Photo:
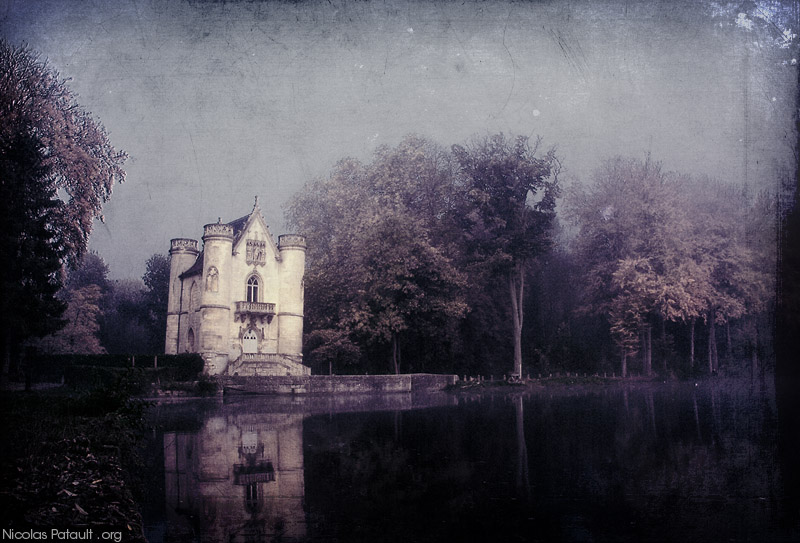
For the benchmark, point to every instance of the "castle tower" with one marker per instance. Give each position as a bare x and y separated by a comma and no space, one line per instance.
215,296
290,309
182,254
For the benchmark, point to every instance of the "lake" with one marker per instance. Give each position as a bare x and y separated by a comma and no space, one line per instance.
637,462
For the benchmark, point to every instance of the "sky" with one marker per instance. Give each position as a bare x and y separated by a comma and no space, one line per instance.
219,102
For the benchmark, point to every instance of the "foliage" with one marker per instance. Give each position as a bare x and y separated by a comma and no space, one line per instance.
507,200
331,351
80,333
74,154
156,279
84,292
30,251
380,266
91,269
505,211
57,168
124,323
660,247
65,461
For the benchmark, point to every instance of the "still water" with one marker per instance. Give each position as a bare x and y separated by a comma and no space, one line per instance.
666,462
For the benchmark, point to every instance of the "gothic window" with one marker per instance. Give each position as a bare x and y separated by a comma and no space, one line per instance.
252,289
212,279
191,340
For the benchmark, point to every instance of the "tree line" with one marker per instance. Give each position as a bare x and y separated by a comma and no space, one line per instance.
459,260
472,259
104,316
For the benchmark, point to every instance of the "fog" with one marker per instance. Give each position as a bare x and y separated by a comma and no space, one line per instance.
217,102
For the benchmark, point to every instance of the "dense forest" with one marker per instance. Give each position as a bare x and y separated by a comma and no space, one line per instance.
481,260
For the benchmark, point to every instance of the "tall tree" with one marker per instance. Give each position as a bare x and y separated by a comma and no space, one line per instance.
80,335
85,294
734,240
58,168
633,241
380,265
30,276
506,209
406,283
156,279
90,270
125,321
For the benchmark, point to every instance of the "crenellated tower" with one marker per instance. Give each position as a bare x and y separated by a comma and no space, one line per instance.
292,249
182,254
215,306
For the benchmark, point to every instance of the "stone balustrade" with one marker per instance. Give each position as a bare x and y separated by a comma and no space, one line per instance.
217,230
260,310
184,244
291,240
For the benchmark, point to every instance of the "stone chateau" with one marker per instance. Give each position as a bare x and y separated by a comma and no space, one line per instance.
238,301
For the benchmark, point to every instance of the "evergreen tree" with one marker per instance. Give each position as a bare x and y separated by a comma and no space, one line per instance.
57,168
156,279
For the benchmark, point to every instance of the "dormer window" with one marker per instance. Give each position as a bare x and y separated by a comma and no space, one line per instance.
252,289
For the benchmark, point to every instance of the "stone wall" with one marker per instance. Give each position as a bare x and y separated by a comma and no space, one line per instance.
337,384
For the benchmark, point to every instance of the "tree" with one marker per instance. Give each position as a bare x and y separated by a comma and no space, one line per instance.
85,294
81,333
507,205
634,241
30,251
156,279
125,323
660,247
406,283
380,265
90,270
58,168
734,244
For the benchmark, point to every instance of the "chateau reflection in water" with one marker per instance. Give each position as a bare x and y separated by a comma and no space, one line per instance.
240,478
650,462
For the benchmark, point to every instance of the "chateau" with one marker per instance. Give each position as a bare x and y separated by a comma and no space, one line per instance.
238,301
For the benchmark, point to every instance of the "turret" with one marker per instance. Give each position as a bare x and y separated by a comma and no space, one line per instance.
215,297
292,248
182,254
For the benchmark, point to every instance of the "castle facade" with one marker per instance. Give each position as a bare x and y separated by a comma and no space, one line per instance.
238,301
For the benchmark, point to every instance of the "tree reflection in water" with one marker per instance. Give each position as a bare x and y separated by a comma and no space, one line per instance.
665,462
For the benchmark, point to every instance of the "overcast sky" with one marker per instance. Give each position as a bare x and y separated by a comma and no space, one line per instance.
217,102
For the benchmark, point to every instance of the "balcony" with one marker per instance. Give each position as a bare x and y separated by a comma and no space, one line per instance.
254,310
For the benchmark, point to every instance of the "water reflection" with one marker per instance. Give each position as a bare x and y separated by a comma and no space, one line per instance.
666,462
239,478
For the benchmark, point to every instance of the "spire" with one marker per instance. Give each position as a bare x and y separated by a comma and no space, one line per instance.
255,206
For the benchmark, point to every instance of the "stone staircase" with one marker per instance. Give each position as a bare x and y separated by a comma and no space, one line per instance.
267,364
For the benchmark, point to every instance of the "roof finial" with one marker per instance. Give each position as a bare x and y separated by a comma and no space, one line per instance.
219,220
255,206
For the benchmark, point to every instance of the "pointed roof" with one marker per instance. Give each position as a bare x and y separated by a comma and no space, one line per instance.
239,226
194,269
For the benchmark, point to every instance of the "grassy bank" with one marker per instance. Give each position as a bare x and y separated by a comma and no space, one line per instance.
67,458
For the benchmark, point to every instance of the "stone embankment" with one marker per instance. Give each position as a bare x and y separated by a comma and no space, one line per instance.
336,384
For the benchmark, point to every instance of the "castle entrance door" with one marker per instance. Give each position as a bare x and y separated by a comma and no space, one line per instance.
250,342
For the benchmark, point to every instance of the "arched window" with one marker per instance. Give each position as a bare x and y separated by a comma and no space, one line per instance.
191,340
252,289
212,279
